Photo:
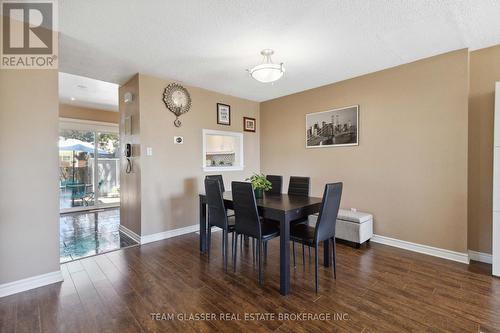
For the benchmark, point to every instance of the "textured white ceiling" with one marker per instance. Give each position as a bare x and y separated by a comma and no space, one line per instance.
210,43
90,93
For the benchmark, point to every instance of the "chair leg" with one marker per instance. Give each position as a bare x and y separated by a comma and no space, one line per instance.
259,261
232,243
224,248
235,251
265,252
209,240
293,250
316,280
303,256
254,249
309,248
334,258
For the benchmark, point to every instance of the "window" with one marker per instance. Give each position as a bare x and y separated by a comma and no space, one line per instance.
222,151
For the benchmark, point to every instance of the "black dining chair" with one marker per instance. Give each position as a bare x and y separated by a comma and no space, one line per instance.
276,183
299,186
249,223
217,216
220,180
324,229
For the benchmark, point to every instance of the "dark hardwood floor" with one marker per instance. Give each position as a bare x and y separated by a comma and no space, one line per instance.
378,289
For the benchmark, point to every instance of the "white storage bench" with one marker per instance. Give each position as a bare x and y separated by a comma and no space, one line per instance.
352,226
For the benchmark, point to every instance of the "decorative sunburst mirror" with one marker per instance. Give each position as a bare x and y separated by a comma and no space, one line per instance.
177,100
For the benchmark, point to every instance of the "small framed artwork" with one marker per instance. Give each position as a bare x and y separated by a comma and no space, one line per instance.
223,114
333,128
249,124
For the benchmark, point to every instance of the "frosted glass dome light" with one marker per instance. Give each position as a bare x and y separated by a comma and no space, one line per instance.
267,71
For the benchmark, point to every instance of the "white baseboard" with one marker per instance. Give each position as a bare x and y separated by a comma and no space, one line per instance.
160,235
130,233
33,282
214,229
487,258
169,234
425,249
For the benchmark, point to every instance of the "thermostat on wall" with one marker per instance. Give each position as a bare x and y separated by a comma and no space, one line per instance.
178,140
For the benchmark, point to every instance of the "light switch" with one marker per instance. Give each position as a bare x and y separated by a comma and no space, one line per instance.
149,151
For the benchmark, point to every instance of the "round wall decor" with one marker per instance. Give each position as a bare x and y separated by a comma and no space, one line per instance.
177,100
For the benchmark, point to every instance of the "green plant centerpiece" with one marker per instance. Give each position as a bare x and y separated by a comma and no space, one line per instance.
259,184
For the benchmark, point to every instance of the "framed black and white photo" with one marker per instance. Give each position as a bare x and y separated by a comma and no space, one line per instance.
249,124
333,128
223,114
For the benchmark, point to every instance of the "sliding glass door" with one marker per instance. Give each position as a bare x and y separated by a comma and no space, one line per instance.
108,169
89,169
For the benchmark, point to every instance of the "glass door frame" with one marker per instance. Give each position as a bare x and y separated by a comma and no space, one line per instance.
97,127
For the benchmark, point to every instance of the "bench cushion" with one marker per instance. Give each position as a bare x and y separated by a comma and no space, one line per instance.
349,215
357,217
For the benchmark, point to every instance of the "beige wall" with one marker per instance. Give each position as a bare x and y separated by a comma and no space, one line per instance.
410,169
484,72
172,178
78,112
130,183
29,207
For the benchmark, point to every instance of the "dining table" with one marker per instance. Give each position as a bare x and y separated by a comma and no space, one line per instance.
282,208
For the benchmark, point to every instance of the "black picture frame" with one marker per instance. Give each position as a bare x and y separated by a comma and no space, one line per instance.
223,114
251,120
333,128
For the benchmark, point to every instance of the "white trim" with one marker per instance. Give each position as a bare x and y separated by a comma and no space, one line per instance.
239,158
33,282
88,125
169,234
228,168
130,233
495,251
420,248
88,209
214,229
481,257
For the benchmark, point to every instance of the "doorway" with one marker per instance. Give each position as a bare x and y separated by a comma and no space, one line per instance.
89,168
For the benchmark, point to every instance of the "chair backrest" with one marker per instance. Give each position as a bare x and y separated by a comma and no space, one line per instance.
277,183
247,220
219,179
217,214
299,186
327,218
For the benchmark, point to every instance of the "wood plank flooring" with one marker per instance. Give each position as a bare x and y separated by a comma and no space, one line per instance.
378,289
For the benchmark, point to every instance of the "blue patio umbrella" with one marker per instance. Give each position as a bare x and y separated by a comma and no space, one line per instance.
78,145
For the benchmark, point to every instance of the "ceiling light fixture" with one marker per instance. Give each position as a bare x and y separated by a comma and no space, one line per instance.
72,98
267,71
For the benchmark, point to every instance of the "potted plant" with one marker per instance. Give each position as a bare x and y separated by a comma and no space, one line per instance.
259,184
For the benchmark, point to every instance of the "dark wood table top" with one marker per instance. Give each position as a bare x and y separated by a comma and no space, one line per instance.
282,201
